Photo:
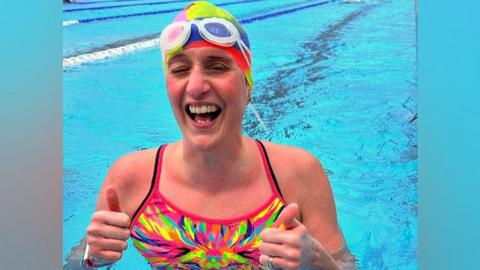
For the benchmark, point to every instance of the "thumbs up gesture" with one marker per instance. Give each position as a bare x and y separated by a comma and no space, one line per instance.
287,244
108,231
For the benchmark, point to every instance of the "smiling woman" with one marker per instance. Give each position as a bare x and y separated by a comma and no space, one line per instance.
216,199
208,93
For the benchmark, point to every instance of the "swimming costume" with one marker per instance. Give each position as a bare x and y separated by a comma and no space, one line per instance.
170,238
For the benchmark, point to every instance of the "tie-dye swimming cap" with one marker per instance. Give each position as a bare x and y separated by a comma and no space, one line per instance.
201,10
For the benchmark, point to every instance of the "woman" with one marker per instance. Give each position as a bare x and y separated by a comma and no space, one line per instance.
216,199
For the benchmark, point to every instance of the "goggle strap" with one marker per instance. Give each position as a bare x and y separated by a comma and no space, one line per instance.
244,48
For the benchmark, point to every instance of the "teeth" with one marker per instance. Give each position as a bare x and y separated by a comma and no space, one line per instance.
202,109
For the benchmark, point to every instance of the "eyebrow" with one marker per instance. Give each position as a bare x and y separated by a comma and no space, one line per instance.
177,57
209,58
219,58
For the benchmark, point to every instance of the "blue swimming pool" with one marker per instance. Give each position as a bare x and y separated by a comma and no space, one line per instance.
335,78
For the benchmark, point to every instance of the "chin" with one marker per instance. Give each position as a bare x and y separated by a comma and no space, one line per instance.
201,141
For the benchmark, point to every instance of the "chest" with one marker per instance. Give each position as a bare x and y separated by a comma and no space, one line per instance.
168,236
217,203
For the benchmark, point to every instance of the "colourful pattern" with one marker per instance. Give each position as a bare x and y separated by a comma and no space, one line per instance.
202,9
171,239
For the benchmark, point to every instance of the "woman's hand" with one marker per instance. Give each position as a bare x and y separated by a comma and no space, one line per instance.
108,231
292,247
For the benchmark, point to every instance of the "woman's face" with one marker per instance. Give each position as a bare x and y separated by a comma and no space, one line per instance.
208,93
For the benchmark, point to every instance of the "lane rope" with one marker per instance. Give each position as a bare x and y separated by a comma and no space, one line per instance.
148,13
125,5
105,1
108,53
71,22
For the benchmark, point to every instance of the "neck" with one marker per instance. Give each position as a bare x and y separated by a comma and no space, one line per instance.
220,164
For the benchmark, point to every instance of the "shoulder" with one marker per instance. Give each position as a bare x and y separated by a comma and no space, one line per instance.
129,166
288,153
303,180
131,175
295,163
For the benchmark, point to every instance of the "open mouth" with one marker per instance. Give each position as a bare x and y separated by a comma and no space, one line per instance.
203,114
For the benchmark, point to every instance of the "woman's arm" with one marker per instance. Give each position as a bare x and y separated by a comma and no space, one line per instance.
319,215
125,185
311,238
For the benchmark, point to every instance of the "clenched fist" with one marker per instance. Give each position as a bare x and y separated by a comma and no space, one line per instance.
108,231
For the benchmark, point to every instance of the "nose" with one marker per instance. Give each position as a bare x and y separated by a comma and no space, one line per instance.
197,84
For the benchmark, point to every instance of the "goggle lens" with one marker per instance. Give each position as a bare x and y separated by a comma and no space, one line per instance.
217,29
174,34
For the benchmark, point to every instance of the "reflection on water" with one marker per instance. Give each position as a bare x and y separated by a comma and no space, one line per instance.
299,75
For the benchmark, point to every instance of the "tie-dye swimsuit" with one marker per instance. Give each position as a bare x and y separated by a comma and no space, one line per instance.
170,238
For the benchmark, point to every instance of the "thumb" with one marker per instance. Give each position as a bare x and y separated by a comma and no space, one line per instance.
112,200
287,219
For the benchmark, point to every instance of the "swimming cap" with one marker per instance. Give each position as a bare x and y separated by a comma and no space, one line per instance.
201,10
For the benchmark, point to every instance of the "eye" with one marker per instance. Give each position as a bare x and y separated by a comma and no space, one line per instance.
179,69
217,67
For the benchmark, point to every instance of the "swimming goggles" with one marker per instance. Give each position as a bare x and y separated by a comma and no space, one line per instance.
214,30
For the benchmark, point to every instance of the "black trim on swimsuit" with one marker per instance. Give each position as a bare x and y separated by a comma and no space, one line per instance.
270,168
151,185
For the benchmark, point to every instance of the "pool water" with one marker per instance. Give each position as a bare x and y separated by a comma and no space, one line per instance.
337,79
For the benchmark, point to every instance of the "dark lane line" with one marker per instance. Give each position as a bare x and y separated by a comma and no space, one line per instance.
283,12
125,5
148,13
106,1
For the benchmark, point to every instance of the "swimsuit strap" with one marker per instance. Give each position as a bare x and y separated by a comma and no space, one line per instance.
269,170
158,167
154,183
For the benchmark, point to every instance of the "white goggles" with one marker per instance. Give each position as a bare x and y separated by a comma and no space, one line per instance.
214,30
